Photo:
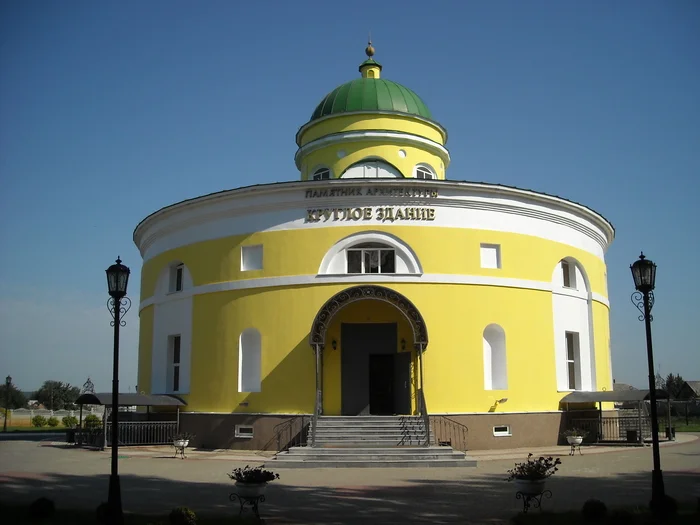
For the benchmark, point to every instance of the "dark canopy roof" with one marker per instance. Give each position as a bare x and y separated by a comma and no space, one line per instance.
611,396
141,400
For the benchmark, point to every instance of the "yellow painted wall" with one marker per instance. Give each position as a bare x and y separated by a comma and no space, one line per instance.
601,336
300,252
455,316
360,150
145,348
369,121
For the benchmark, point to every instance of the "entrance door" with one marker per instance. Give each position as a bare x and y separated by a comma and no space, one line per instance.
359,342
381,384
402,383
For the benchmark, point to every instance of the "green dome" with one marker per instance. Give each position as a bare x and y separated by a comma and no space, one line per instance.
371,94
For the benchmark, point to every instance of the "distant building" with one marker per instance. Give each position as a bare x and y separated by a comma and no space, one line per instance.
689,390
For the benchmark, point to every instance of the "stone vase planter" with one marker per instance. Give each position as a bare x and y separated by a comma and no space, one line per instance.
250,490
181,443
574,440
530,487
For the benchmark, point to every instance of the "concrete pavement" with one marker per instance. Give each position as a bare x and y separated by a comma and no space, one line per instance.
153,481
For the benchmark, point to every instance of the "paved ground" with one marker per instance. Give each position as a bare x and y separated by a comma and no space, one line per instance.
154,482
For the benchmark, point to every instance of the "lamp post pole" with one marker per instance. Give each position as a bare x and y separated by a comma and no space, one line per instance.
118,304
8,383
644,274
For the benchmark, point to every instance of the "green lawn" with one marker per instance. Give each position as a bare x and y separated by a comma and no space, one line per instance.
691,427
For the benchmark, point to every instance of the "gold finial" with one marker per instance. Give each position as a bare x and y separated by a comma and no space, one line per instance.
369,50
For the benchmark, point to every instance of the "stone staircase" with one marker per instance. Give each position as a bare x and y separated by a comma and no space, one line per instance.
370,441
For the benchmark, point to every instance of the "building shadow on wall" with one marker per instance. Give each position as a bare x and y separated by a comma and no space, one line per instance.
344,495
293,385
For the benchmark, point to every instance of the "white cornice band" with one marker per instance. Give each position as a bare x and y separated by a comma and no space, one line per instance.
378,136
306,280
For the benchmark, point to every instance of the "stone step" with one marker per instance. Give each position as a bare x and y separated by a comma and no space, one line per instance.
351,426
368,444
384,463
392,451
370,418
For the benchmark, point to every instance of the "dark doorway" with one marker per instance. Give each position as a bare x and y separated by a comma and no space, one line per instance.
381,384
374,378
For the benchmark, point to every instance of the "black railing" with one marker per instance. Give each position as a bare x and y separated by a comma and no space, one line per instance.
314,419
426,418
293,432
143,432
624,429
449,432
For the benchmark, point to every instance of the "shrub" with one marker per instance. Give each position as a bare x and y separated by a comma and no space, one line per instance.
622,517
594,510
182,516
70,421
42,508
668,507
253,475
534,469
39,421
52,422
92,421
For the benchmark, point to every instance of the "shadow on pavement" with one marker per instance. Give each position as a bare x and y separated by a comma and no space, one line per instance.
489,499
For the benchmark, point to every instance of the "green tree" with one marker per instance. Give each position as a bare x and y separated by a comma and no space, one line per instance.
57,395
673,385
15,399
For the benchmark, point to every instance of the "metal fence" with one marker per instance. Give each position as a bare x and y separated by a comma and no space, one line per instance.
143,432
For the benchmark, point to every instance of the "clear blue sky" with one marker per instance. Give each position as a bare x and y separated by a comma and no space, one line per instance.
111,110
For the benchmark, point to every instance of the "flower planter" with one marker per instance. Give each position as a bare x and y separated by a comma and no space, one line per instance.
529,487
181,443
574,440
250,490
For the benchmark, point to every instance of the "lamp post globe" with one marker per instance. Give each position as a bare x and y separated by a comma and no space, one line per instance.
118,305
644,275
117,279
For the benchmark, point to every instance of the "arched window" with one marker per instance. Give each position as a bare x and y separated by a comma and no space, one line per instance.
495,367
322,174
371,169
249,361
423,172
370,252
573,327
371,257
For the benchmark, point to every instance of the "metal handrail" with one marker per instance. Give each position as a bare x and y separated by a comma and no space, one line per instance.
294,431
314,417
450,432
426,418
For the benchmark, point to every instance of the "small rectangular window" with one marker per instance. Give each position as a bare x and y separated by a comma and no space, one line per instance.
568,274
174,357
176,378
178,278
176,349
252,258
354,261
244,431
491,256
502,430
572,343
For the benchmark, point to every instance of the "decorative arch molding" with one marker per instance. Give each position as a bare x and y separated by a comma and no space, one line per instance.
364,169
333,262
360,293
578,275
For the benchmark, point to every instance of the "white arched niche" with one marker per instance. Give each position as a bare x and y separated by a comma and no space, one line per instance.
249,361
573,327
495,362
335,262
371,169
173,278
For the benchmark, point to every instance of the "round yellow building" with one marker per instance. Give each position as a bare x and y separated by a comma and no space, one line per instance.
374,286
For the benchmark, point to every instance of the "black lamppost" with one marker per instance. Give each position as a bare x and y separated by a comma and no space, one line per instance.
644,274
118,304
8,383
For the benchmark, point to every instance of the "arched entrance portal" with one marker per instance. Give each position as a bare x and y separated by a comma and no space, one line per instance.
368,342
